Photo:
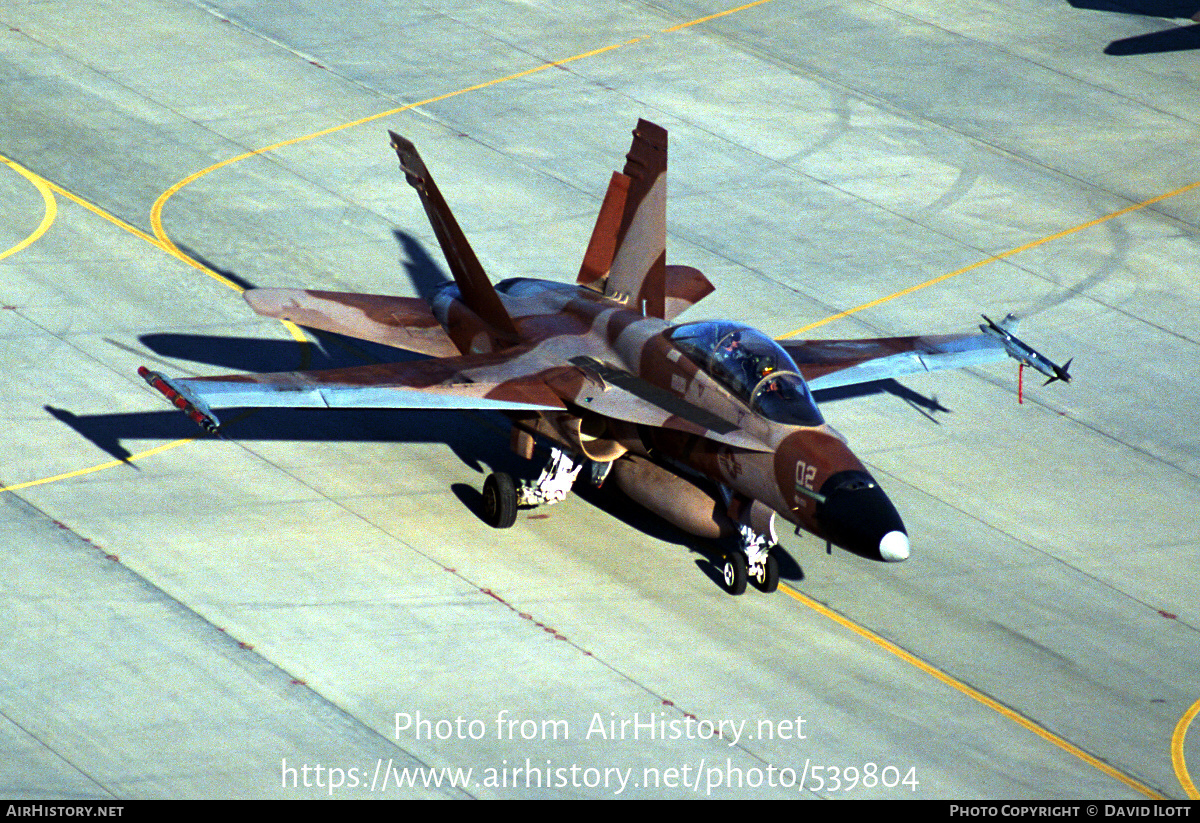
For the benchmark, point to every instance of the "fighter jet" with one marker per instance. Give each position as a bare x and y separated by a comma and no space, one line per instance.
709,424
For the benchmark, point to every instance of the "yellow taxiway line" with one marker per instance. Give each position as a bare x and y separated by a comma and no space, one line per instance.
974,694
1178,762
1004,255
112,464
156,210
161,240
49,210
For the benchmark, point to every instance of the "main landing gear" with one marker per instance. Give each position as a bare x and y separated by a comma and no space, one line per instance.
765,576
502,495
499,500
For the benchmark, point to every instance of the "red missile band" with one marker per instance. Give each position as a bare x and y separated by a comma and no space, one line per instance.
162,386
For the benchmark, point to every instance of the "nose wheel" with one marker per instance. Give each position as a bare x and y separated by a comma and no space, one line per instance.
751,561
765,574
734,572
762,573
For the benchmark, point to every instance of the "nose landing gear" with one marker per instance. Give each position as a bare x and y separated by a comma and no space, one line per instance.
765,575
734,572
762,572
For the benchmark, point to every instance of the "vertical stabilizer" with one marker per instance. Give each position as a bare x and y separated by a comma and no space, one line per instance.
632,248
602,248
477,291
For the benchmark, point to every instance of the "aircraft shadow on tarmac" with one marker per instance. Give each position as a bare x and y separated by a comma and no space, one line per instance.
471,443
927,406
423,271
710,554
1181,38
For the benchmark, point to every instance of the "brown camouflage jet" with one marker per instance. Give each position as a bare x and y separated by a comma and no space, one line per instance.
711,425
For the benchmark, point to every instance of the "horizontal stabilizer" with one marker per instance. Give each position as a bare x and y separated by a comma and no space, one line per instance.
404,322
686,287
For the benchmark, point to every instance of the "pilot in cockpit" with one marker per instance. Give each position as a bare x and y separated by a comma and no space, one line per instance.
744,363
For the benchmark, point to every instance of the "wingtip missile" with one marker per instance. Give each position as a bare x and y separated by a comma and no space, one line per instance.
1022,352
1060,373
181,399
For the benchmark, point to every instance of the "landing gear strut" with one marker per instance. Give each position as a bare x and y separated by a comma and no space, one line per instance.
554,483
502,496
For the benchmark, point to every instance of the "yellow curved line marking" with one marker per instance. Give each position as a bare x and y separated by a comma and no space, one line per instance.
48,186
49,211
994,258
48,190
974,694
157,209
1177,759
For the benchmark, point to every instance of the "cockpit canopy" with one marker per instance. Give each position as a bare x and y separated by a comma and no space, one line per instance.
753,367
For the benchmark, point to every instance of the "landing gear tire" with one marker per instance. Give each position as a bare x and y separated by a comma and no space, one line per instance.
766,576
733,572
499,501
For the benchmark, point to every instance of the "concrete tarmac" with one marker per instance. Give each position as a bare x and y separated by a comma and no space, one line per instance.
311,607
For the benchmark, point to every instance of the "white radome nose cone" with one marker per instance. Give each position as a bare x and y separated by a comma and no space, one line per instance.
894,547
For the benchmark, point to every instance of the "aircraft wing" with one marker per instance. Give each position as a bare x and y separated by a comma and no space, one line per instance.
827,364
480,381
